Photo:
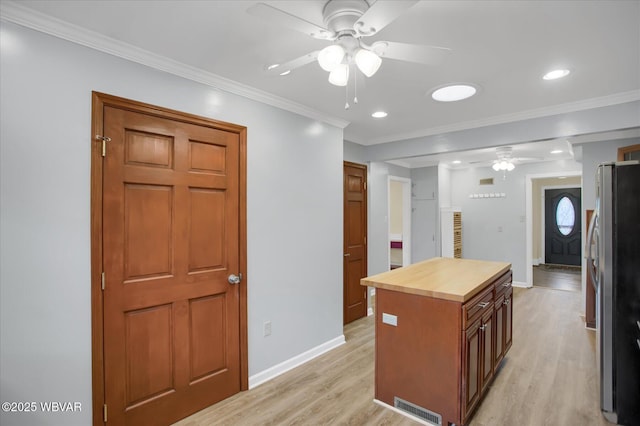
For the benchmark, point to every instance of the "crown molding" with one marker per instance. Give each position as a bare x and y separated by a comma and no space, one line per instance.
604,101
18,14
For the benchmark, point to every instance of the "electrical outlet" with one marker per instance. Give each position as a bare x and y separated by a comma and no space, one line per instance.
267,328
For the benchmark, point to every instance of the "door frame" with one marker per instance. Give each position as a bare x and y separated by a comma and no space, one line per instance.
99,102
406,219
543,239
529,221
366,233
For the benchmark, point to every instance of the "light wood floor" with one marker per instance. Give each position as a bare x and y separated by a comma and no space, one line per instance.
547,378
557,277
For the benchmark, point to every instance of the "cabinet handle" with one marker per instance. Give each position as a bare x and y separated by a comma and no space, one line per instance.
483,304
638,342
506,285
506,302
483,326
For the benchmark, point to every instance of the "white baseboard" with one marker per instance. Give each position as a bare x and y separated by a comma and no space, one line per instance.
415,419
536,262
521,284
283,367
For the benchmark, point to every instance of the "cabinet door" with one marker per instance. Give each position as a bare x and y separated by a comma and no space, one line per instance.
471,365
508,315
487,331
500,317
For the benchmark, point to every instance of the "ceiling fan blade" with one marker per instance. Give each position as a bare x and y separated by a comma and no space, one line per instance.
381,14
293,64
280,17
428,55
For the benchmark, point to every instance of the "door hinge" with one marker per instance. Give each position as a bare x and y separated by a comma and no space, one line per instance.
365,186
104,413
104,140
365,240
103,280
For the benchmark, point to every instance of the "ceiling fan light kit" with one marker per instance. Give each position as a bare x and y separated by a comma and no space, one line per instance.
330,57
339,76
367,62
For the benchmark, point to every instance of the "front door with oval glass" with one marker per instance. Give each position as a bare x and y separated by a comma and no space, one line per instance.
563,226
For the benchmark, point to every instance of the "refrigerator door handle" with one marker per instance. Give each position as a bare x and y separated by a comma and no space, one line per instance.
591,262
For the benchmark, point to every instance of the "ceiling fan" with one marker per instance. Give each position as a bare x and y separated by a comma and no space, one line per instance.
505,161
347,23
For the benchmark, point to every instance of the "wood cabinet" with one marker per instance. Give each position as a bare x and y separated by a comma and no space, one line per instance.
451,232
440,338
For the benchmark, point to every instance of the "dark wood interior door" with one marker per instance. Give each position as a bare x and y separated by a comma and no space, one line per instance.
355,241
171,239
563,226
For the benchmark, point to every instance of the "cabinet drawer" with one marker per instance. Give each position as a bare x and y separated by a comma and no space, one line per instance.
474,308
503,284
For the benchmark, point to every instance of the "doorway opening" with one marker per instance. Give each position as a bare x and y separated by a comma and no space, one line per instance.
399,221
554,227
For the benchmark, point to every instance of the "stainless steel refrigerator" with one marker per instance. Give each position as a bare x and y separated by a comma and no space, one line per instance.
614,262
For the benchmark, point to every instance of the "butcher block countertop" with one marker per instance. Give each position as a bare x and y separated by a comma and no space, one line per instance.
440,277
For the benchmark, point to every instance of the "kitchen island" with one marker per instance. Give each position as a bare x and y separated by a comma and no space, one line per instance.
442,328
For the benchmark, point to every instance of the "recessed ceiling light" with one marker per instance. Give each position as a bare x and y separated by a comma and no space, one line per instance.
272,66
456,162
454,92
556,151
552,75
287,72
379,114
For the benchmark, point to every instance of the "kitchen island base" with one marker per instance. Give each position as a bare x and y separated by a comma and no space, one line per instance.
435,357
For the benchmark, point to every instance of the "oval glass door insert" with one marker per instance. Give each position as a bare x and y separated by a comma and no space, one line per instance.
565,216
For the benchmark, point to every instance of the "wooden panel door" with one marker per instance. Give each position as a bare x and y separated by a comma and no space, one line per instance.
355,241
171,236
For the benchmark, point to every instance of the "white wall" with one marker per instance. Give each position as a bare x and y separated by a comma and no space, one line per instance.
354,152
495,228
425,235
45,305
593,154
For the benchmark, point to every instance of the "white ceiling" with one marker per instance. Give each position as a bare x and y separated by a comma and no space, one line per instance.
504,47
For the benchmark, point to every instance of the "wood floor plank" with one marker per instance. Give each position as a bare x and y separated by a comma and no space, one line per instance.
547,378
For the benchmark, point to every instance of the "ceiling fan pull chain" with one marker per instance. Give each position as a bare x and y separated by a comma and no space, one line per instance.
355,87
346,95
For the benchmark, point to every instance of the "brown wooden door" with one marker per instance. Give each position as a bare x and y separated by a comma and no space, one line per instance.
171,236
355,241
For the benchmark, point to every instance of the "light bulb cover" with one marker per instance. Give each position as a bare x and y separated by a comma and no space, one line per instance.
510,166
330,57
367,62
340,75
495,167
454,92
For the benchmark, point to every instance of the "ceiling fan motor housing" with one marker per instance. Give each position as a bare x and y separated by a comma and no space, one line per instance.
341,15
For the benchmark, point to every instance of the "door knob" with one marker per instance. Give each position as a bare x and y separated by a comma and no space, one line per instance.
235,279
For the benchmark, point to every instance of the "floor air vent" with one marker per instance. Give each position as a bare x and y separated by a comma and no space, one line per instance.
414,410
